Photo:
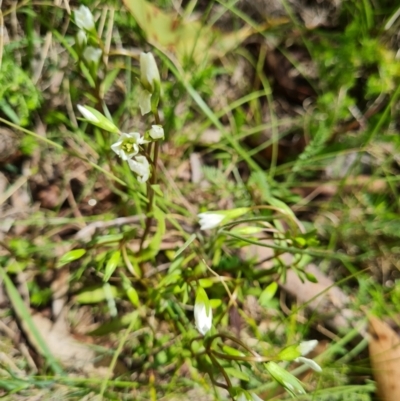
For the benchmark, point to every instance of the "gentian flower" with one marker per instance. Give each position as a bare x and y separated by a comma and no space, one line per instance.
156,132
141,167
209,220
128,145
84,18
202,312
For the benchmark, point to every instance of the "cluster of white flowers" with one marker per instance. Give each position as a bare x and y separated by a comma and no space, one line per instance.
85,22
129,145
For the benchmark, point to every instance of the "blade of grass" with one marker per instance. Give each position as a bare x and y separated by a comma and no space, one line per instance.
24,315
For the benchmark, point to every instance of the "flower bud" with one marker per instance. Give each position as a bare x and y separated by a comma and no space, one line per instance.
92,55
96,118
209,220
202,312
81,38
156,132
149,75
84,18
150,82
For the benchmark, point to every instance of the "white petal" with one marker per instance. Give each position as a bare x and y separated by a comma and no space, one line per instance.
81,37
156,132
92,54
149,74
202,320
84,18
209,220
309,362
141,167
88,114
306,347
144,101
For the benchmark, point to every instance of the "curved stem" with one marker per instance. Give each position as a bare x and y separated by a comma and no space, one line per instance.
222,370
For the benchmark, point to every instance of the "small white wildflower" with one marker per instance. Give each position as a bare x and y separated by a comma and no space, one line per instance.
149,75
141,167
309,362
128,145
88,114
81,38
209,220
202,320
306,347
84,18
92,54
156,132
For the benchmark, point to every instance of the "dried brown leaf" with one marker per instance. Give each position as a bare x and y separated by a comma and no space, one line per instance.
384,351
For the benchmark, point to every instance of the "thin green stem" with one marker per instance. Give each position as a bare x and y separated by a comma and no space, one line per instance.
150,190
222,370
115,357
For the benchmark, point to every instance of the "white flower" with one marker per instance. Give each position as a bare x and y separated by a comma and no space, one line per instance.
156,132
149,75
141,167
202,320
81,38
144,101
209,220
306,347
309,362
128,145
84,18
88,114
92,54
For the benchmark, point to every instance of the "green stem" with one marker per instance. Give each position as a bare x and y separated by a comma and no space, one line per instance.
114,360
222,370
150,190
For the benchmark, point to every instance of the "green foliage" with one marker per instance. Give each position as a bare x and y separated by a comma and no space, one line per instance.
138,263
19,96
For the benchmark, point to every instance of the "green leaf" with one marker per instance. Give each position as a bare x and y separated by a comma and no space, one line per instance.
268,294
104,239
249,230
157,190
108,80
24,315
291,384
232,351
289,353
237,373
206,282
99,120
215,303
311,277
158,236
115,325
185,245
112,265
133,296
71,256
95,295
